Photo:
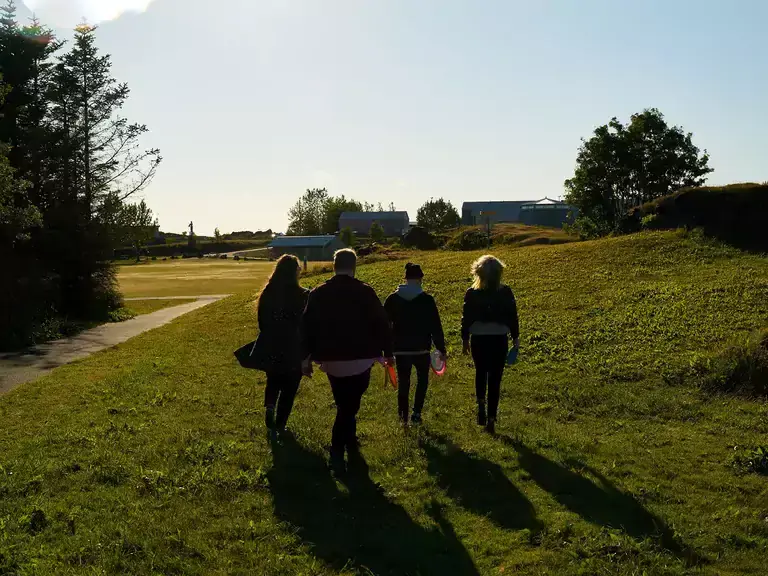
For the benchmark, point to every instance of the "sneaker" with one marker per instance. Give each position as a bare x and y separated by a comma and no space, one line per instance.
491,426
481,419
269,417
416,418
337,464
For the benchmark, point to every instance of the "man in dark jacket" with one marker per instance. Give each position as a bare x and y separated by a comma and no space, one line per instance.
416,325
345,330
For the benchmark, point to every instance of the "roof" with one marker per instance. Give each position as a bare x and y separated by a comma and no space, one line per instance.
375,215
302,241
494,204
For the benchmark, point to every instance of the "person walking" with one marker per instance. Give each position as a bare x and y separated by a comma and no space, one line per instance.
416,325
489,318
345,330
280,307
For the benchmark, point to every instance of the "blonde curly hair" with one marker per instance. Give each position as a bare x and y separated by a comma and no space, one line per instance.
487,271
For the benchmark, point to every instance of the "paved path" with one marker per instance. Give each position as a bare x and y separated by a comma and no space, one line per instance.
19,367
208,297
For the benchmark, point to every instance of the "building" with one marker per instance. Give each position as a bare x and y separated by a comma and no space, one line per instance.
547,212
544,212
501,211
394,223
314,248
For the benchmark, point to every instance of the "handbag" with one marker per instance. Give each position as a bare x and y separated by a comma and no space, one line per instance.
249,356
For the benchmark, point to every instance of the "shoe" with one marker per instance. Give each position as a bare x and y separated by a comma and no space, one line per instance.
336,463
269,417
481,419
491,426
416,418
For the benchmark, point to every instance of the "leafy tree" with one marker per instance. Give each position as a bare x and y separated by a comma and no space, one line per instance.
334,208
140,225
305,218
392,207
377,232
436,215
622,166
347,236
217,235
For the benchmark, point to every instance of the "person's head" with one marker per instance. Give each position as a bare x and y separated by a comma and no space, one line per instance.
345,262
487,272
286,272
413,273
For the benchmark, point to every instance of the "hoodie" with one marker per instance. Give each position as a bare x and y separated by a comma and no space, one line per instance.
415,320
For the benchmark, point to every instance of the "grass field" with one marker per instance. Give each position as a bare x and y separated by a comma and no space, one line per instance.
139,307
191,277
151,458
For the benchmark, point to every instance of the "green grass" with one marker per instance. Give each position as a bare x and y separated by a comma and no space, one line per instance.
191,277
139,307
151,458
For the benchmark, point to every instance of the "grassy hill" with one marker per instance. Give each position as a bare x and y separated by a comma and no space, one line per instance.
476,237
151,458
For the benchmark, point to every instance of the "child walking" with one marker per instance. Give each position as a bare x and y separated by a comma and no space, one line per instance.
489,318
415,325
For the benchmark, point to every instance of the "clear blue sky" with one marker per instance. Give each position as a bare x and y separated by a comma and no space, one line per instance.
252,101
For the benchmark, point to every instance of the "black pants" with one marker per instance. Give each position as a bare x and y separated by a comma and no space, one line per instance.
404,365
347,394
490,356
280,393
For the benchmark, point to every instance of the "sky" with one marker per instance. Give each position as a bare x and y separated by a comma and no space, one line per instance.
253,101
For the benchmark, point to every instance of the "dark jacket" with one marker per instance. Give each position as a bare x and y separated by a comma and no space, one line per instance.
490,306
345,320
279,343
415,322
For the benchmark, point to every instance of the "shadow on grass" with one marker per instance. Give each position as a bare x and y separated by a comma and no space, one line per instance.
601,503
478,485
359,528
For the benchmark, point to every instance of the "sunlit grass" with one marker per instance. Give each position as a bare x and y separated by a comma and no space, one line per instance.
151,458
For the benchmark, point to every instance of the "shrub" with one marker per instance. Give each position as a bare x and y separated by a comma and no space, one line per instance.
468,239
420,238
734,214
740,369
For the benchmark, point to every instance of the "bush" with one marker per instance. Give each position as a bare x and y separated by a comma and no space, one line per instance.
468,239
420,238
735,214
740,369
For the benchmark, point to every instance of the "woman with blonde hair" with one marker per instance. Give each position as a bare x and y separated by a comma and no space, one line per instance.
489,318
281,304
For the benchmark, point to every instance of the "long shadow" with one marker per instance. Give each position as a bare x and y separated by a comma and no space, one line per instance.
359,528
478,485
604,503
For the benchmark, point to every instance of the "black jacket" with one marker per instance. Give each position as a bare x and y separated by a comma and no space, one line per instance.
490,306
279,342
345,320
415,323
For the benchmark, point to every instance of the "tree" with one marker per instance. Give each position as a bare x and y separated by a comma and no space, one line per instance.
334,208
139,225
217,235
305,218
437,215
347,236
622,166
392,207
377,232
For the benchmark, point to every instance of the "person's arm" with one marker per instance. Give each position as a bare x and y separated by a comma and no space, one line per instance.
389,307
438,336
466,320
513,319
382,327
307,328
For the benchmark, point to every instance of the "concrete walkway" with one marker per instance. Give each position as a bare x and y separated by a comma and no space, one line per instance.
19,367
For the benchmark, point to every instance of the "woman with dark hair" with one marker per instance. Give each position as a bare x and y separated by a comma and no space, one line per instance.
489,319
281,304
